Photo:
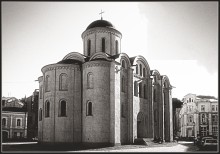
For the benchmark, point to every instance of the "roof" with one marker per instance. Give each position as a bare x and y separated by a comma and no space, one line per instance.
100,23
206,97
14,109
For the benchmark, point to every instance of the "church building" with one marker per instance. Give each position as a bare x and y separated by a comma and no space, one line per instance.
103,96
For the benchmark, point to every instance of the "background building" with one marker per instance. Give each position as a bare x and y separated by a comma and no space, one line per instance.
199,116
14,123
103,95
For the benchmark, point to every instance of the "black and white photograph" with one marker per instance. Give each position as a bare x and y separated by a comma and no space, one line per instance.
109,76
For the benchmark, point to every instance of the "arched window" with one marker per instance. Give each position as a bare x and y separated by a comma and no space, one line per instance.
123,63
88,47
116,47
89,80
137,69
41,91
203,117
89,109
123,84
4,121
135,88
47,83
103,44
47,109
140,89
63,108
18,122
145,91
144,72
140,70
63,82
40,114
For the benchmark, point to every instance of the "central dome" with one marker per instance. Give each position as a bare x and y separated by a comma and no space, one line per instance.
100,23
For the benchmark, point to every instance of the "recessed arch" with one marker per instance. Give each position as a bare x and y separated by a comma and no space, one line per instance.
75,56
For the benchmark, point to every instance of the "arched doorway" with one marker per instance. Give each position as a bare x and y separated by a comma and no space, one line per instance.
140,125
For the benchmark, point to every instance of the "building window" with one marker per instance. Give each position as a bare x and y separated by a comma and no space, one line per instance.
18,122
216,108
90,80
213,107
123,110
189,99
62,106
203,118
89,109
41,91
214,119
63,82
47,84
214,130
145,91
190,119
137,69
144,72
116,46
103,44
192,100
202,107
140,90
203,131
47,109
88,47
123,63
40,114
123,84
135,88
140,70
3,121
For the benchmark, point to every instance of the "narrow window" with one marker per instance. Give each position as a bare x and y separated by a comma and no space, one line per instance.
135,88
47,83
40,114
140,90
203,117
103,44
123,63
18,122
116,47
154,94
144,71
89,47
90,80
123,84
216,109
47,109
189,99
140,70
63,82
145,91
4,121
63,108
137,69
89,109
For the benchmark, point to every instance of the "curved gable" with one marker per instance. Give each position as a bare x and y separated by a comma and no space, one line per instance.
144,61
74,56
99,55
124,56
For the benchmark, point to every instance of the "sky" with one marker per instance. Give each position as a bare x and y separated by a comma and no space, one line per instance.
179,39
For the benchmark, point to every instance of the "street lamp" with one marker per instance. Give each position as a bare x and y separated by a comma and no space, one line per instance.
194,129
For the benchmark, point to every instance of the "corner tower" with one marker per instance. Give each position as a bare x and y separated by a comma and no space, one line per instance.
101,36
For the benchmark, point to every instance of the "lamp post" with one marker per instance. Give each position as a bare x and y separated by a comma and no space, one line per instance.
194,129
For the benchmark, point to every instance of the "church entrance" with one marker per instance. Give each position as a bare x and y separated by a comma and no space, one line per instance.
140,125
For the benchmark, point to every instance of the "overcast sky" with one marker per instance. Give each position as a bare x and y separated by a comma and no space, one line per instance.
179,39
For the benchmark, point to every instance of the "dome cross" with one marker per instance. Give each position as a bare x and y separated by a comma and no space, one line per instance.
101,13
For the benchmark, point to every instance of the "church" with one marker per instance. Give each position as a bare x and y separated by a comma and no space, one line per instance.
103,96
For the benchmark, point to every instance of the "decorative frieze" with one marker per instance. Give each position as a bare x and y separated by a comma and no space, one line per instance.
54,67
96,65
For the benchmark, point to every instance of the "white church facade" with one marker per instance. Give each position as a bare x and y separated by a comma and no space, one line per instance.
103,95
